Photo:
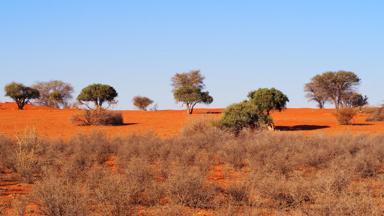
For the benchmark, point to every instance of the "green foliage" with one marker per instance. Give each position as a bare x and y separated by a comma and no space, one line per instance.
267,100
240,115
20,94
142,102
188,89
254,112
98,94
54,93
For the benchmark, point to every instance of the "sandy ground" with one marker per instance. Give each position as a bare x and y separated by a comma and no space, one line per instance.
57,124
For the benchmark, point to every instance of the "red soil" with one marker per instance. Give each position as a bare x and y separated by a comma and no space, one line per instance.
57,124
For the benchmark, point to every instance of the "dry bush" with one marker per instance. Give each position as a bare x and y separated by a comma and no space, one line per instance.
345,115
188,188
29,147
286,174
58,197
377,114
97,117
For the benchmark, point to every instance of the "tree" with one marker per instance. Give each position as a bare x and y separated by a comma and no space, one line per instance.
267,100
21,94
54,93
188,89
355,100
142,102
335,86
97,94
240,115
314,94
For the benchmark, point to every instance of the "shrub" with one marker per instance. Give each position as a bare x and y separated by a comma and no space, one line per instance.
345,115
57,197
239,116
376,115
98,117
142,102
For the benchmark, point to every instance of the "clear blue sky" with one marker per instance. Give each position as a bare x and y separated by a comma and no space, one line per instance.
137,46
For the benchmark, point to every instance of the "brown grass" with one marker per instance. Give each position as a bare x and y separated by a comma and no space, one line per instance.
262,173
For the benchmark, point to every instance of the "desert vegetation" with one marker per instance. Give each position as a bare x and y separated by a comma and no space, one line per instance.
188,89
55,93
20,93
97,94
255,112
141,102
204,169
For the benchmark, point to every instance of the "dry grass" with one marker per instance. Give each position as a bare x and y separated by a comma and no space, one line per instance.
267,173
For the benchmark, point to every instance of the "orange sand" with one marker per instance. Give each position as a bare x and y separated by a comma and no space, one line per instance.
56,123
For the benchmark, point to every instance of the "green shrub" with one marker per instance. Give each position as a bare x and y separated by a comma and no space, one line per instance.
239,116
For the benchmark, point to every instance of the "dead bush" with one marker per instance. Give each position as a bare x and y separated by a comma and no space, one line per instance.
189,189
376,114
345,115
29,147
97,117
58,197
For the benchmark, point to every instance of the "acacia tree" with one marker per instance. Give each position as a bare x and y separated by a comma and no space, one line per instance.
313,93
356,100
188,89
142,102
255,111
335,86
20,94
97,94
54,93
266,100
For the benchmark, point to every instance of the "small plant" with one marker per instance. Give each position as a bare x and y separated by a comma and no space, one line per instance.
97,117
376,115
345,116
142,102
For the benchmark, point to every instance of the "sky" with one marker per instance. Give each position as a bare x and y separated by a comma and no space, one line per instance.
138,45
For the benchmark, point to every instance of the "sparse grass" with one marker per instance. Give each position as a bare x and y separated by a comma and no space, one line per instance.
270,172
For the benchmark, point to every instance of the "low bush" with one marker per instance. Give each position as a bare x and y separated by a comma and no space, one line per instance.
345,116
97,117
202,169
376,114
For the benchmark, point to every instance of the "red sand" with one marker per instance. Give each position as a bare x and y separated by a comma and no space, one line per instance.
56,123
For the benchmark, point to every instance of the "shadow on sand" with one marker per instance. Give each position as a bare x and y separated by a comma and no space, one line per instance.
301,127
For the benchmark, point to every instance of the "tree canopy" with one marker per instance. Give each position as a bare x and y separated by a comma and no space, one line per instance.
334,86
266,99
142,102
188,89
54,93
97,94
20,94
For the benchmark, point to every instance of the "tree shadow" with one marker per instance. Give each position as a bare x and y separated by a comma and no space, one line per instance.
127,124
301,127
361,124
